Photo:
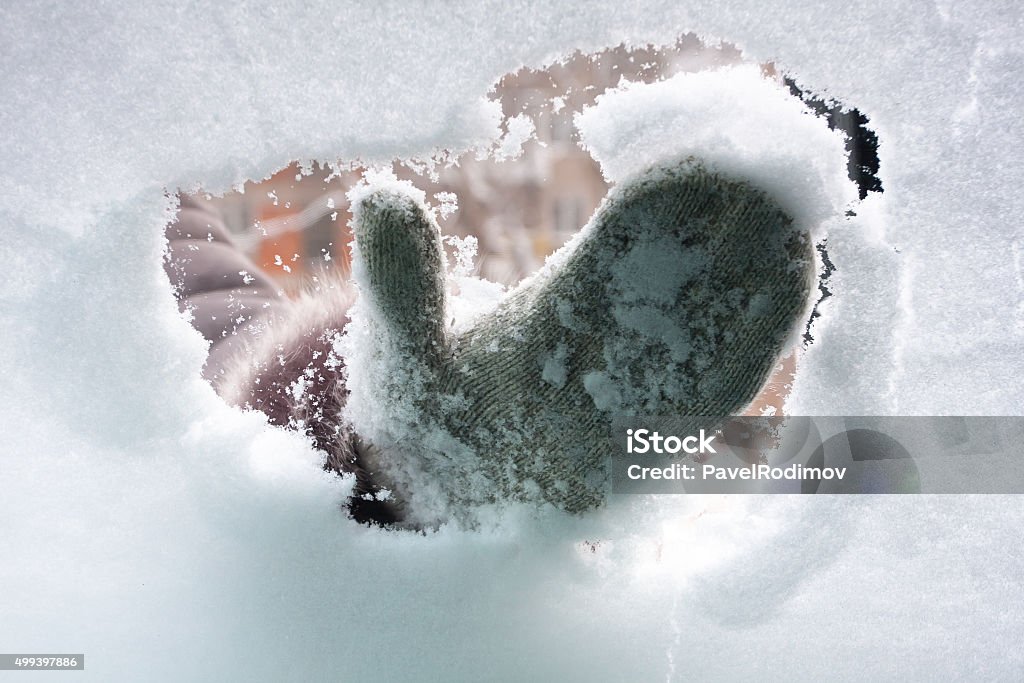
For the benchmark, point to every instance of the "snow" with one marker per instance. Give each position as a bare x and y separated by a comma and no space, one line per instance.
554,370
520,130
166,535
738,123
448,203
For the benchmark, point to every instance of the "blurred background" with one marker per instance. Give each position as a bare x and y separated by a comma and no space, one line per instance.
295,225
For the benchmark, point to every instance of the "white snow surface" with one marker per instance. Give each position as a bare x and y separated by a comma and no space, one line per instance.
169,537
735,121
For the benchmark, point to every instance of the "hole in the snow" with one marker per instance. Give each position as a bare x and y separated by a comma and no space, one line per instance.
236,259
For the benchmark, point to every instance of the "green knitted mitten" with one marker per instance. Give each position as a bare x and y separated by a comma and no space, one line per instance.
675,299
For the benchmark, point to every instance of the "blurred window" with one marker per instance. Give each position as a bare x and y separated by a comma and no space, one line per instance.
568,215
562,127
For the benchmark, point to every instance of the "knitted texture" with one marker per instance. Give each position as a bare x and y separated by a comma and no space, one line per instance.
675,299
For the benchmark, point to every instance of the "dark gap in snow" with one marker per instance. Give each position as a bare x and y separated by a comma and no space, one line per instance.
861,141
825,292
